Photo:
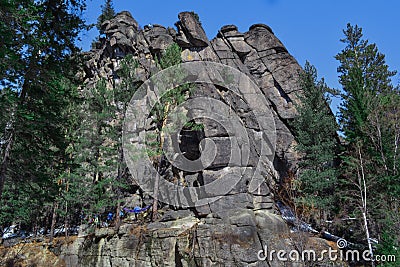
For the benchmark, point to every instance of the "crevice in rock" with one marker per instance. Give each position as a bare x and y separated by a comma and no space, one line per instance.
110,261
275,108
226,41
281,92
178,257
190,143
280,49
215,51
245,39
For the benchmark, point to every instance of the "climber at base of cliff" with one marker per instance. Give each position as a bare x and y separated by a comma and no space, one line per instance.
138,210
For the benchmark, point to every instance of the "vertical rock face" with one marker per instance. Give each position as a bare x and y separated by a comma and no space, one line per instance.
232,230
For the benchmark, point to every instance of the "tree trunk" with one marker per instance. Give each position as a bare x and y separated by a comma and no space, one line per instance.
368,238
363,195
117,216
155,194
53,221
66,223
4,162
396,145
120,175
157,179
10,142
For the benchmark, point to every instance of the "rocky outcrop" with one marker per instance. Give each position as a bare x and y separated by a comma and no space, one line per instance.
241,238
257,53
233,229
189,26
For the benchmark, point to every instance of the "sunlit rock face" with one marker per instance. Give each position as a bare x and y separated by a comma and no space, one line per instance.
232,230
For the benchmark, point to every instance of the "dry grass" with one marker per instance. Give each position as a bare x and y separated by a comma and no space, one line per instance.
34,254
138,230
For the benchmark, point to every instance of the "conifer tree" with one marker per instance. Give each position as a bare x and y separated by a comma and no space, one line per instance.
107,12
99,177
40,40
315,129
172,98
369,121
363,74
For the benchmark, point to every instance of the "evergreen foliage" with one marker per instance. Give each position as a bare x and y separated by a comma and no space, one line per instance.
368,180
107,13
35,67
316,129
174,97
363,75
97,146
369,118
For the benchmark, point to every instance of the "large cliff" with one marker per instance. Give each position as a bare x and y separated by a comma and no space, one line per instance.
232,230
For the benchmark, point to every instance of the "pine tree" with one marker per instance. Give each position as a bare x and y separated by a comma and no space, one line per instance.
315,129
123,92
40,37
363,71
95,150
369,121
107,12
96,144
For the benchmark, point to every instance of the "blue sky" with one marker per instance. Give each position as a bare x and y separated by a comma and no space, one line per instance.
310,29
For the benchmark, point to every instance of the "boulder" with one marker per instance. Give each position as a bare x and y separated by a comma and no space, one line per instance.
121,22
261,38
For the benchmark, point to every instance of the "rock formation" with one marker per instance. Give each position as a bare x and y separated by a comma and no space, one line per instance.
232,230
